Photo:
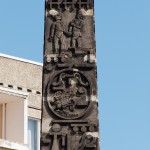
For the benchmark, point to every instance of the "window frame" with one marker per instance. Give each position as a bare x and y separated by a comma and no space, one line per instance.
38,130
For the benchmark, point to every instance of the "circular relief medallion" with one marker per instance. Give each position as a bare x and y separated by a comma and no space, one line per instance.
68,94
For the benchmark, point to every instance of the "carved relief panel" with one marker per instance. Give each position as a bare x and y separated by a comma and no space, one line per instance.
70,105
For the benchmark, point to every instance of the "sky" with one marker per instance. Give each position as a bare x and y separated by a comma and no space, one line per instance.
123,59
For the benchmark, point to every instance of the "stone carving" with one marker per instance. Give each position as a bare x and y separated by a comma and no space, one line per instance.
58,134
75,28
68,95
85,142
71,137
69,110
65,4
56,34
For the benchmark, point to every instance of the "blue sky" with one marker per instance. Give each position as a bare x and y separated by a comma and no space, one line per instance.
123,58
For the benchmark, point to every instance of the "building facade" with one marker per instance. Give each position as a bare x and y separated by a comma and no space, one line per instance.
20,103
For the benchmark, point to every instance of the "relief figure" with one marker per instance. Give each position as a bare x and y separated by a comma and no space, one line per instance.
75,30
56,35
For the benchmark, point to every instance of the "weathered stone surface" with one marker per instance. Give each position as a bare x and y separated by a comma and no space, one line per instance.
70,105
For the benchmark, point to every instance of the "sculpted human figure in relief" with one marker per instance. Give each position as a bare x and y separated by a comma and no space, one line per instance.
56,35
75,28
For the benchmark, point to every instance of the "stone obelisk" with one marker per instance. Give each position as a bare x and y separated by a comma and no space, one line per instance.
70,105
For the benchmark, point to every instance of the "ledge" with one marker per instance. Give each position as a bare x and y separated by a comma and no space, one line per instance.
7,145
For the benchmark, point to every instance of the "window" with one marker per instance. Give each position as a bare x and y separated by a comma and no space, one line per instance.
13,116
33,134
13,128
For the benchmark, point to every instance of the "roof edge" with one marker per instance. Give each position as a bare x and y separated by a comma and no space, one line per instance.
21,59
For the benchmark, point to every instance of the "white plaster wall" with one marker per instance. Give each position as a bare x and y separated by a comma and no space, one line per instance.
33,113
24,74
15,123
19,73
